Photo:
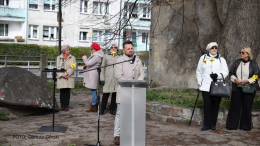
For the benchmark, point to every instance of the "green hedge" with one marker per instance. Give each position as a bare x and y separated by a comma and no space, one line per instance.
37,50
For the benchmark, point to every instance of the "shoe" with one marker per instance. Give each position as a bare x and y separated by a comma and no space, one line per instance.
245,129
117,140
66,108
206,127
62,108
213,127
101,112
230,128
112,112
93,108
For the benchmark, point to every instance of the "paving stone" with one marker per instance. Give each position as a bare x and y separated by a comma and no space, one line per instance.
213,138
237,143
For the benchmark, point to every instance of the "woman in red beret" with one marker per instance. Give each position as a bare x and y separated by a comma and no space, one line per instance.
91,78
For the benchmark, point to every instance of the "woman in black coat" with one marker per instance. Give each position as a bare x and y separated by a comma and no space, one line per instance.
243,71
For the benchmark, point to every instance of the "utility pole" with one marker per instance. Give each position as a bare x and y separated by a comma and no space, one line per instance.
59,26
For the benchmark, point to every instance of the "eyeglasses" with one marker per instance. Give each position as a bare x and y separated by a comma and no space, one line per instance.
214,47
242,53
113,47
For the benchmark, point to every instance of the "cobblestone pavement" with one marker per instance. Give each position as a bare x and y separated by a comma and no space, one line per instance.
82,128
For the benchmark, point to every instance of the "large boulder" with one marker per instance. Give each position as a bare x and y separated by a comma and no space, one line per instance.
21,88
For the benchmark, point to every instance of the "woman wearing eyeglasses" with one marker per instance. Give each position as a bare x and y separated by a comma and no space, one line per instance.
243,71
107,78
91,78
210,68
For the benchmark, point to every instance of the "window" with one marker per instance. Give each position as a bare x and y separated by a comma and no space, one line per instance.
83,6
146,12
3,29
144,35
51,33
100,35
128,9
4,2
100,8
129,36
51,5
33,4
33,32
83,35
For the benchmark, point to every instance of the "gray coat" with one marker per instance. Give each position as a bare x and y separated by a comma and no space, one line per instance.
62,82
107,74
91,78
128,71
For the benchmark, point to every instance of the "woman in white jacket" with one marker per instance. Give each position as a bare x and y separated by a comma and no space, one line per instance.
210,68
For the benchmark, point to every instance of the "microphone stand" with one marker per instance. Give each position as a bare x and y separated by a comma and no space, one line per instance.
98,97
53,128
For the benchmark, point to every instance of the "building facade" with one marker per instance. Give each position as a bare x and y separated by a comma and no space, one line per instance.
83,22
137,28
13,21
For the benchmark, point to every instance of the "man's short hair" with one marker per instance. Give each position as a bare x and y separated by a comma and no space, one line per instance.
127,42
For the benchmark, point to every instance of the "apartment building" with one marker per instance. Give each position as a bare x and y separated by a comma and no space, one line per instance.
137,28
13,21
83,22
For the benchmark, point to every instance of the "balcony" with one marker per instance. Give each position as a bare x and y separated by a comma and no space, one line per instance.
12,14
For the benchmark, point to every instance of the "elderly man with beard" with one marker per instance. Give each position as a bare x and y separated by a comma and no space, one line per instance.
126,71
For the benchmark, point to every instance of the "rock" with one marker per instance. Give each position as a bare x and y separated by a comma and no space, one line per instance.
166,110
176,111
256,122
186,113
155,108
21,88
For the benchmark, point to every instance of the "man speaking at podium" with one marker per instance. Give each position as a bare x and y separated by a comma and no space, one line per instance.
131,70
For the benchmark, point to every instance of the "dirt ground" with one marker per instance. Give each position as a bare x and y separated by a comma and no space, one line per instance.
82,128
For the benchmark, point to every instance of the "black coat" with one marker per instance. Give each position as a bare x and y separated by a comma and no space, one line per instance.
253,70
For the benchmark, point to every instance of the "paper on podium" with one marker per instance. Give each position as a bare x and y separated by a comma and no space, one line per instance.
132,112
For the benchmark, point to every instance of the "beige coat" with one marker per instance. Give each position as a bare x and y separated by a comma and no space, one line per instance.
62,82
107,74
128,71
91,78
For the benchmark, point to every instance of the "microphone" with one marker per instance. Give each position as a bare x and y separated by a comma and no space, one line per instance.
133,60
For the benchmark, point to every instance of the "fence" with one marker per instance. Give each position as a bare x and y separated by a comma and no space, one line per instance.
36,70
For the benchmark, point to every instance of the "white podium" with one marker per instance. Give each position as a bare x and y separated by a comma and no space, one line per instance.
132,112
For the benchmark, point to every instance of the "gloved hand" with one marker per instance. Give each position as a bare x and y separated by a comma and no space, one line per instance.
84,67
102,83
214,77
82,55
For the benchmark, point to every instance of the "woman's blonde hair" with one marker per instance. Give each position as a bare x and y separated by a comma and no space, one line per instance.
249,52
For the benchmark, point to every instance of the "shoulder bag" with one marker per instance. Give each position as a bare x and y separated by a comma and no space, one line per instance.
247,88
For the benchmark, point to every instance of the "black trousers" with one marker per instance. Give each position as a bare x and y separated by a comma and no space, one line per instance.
65,96
211,107
104,101
237,99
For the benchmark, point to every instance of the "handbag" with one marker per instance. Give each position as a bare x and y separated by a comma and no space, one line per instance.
220,88
248,88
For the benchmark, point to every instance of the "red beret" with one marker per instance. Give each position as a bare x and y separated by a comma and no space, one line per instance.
95,46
